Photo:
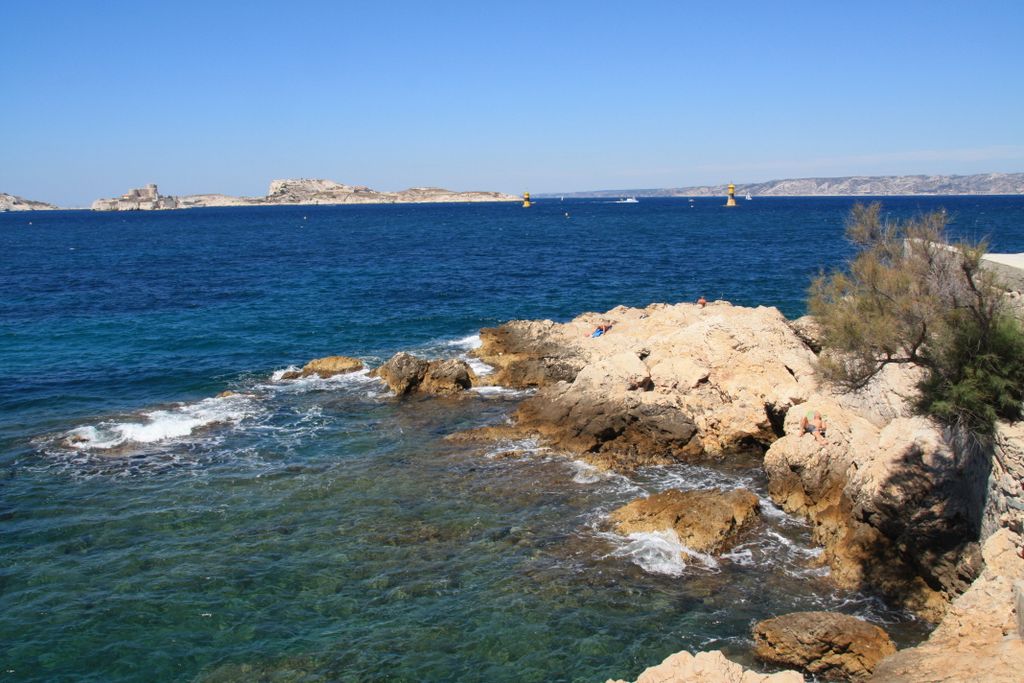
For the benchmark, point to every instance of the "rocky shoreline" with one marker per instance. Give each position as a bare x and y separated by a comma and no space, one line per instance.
926,517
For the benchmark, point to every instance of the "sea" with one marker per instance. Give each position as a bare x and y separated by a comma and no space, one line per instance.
323,530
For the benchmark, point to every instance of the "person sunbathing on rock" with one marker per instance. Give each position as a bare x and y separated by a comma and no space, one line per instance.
814,423
702,302
601,329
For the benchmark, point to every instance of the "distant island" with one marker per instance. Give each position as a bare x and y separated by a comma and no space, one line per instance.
299,191
983,183
8,202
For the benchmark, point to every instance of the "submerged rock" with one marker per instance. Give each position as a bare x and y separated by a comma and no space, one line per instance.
705,521
708,667
326,367
405,374
832,646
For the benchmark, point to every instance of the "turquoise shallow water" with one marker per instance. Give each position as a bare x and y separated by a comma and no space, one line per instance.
323,530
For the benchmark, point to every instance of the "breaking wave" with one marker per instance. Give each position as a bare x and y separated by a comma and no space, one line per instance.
161,425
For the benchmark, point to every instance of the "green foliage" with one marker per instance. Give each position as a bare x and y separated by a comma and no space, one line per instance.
911,297
977,376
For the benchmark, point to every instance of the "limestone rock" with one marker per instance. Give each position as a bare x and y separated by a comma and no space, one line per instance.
832,646
979,639
326,367
446,377
9,202
664,383
887,396
531,353
708,667
895,507
809,331
615,431
405,373
705,521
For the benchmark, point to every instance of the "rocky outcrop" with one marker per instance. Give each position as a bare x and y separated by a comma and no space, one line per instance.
663,384
299,191
980,637
529,353
708,667
405,374
829,645
892,506
326,367
809,332
141,199
9,202
705,521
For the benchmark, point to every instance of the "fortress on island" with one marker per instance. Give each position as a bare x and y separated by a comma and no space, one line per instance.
299,191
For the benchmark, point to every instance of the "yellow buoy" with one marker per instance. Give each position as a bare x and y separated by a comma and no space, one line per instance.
732,196
526,200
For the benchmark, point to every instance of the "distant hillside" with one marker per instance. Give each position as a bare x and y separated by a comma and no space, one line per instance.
8,202
985,183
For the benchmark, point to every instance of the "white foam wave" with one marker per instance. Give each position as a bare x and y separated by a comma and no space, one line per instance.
657,552
501,391
162,425
740,556
300,385
478,366
585,473
707,560
524,445
468,343
689,477
278,374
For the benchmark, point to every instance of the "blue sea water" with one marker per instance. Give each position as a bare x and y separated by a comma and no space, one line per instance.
322,530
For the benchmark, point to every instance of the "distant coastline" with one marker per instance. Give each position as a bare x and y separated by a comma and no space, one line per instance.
844,186
291,192
304,191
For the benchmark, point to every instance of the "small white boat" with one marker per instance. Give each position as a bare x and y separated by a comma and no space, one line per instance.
627,200
748,197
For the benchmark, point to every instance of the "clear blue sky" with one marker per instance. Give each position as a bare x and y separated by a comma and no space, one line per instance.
98,97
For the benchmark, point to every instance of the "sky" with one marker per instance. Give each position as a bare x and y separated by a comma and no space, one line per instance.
99,97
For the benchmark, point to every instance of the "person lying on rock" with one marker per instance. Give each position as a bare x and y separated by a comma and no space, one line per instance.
814,423
601,329
702,302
